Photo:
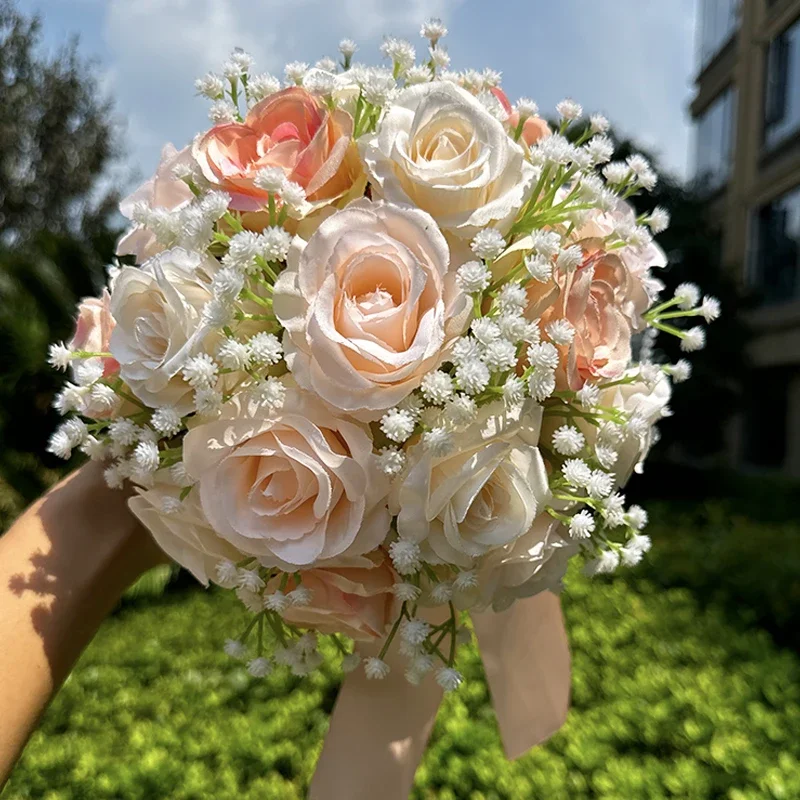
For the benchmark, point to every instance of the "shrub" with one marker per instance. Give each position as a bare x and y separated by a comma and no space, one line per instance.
669,700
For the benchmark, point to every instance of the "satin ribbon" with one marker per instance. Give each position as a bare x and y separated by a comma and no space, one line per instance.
379,729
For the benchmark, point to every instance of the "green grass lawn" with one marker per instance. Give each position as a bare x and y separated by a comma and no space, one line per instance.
675,695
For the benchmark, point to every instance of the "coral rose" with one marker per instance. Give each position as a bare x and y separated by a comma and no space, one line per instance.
93,330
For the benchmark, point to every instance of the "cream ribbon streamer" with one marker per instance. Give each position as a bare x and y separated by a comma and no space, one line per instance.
379,729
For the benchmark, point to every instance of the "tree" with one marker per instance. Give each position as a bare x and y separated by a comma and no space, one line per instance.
56,141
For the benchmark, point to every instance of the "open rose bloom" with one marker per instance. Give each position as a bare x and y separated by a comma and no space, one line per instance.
381,340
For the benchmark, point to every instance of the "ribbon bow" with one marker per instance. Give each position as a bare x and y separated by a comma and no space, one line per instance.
379,729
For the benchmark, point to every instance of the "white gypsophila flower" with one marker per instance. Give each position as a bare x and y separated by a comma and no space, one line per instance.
259,667
472,376
450,76
285,656
556,150
606,455
123,431
234,354
599,149
526,108
439,441
650,374
406,592
568,440
570,259
466,579
94,448
261,86
613,510
200,371
234,648
544,355
347,47
541,383
637,426
710,308
265,348
307,643
301,596
659,220
546,244
606,563
561,332
166,420
630,556
639,543
422,664
437,387
252,601
461,410
179,476
473,277
146,457
208,401
432,417
490,102
693,339
170,505
391,461
680,371
414,631
513,326
513,390
59,355
271,393
227,284
87,373
617,173
217,314
539,268
59,444
417,74
320,81
210,86
70,398
222,111
473,81
295,71
405,556
379,86
434,29
488,244
569,110
599,124
226,573
276,601
294,195
600,484
500,355
397,424
249,579
214,205
485,330
637,517
399,51
76,431
272,180
275,243
440,58
465,349
687,295
449,679
441,592
412,403
581,525
375,669
576,472
588,396
102,400
511,298
350,662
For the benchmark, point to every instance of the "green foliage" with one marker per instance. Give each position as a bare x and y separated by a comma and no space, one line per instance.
670,699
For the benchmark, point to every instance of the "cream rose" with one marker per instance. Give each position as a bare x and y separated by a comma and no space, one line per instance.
369,306
439,149
485,495
93,330
353,597
163,190
295,487
158,314
181,530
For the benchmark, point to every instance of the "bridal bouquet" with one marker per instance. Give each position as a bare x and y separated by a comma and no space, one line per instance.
378,341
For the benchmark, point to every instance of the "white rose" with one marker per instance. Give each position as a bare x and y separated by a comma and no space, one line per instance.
485,495
184,535
439,149
158,314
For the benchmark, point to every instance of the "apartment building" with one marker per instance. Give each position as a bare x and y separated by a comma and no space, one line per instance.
747,162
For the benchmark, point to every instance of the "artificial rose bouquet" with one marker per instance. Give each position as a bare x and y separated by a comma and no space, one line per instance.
369,349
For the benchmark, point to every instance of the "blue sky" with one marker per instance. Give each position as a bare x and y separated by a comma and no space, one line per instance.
632,60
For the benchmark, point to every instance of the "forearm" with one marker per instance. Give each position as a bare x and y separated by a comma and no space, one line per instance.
63,566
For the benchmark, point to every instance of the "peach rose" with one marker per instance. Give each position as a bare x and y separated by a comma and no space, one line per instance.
294,487
533,129
484,495
354,598
93,330
369,306
292,130
439,149
163,190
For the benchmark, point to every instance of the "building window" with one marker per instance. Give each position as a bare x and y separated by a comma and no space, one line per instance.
782,93
715,140
776,271
765,435
718,22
